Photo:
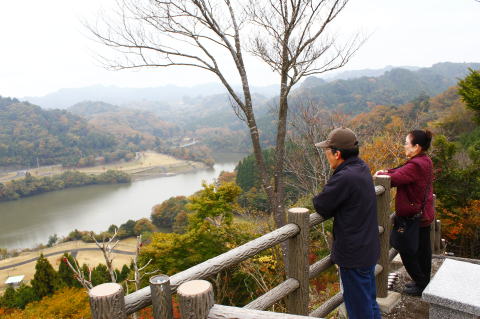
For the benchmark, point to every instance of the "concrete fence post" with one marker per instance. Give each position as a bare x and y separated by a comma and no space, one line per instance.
161,297
383,217
107,301
196,299
298,268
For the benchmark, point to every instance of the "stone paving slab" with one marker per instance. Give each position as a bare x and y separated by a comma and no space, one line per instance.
456,285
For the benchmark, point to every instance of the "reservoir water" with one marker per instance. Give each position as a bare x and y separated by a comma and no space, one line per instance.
30,221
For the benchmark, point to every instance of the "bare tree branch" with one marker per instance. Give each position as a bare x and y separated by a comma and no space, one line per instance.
290,36
79,275
107,248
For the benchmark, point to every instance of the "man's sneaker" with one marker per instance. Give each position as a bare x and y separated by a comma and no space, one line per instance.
413,291
410,284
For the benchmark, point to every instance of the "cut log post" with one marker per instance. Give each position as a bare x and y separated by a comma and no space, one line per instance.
196,299
298,268
433,228
107,301
438,236
161,297
383,217
432,236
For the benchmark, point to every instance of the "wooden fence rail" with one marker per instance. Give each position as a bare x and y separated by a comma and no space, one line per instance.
142,298
294,288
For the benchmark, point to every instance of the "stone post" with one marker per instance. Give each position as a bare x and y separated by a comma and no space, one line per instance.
298,268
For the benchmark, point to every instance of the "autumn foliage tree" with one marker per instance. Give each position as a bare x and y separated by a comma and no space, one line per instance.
214,203
457,186
163,215
71,303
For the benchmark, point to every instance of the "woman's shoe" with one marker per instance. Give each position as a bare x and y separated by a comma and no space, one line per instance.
413,291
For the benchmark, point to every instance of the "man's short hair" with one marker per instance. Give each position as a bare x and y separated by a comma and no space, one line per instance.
346,153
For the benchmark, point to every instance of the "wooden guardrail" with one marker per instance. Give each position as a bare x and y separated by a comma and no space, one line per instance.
107,300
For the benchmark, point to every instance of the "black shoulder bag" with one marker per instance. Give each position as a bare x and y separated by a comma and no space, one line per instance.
405,232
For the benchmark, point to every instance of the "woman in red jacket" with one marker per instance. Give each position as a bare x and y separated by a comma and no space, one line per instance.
414,189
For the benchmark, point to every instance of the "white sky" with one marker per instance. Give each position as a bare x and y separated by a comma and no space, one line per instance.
44,45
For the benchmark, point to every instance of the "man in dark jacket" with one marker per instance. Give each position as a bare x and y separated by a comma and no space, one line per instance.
349,197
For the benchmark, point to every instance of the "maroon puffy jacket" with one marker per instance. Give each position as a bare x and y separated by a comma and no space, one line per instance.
411,180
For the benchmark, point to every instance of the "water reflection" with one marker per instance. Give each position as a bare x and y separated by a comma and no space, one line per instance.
29,221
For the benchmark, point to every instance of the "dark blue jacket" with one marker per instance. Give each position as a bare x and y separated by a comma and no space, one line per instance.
349,197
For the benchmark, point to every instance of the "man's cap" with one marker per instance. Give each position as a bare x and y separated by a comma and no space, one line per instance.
341,137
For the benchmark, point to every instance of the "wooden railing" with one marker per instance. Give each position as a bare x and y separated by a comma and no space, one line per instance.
108,301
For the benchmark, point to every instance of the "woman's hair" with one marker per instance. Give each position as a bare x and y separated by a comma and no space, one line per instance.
421,137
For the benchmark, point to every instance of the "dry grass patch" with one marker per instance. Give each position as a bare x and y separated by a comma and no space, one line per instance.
91,258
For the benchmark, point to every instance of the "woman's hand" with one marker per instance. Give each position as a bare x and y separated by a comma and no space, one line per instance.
380,171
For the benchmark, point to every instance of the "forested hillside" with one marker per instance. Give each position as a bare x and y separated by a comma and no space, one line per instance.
30,135
394,87
134,129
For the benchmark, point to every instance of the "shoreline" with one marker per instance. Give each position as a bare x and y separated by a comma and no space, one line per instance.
167,171
149,164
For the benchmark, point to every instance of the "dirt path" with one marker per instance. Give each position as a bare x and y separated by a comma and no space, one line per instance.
72,252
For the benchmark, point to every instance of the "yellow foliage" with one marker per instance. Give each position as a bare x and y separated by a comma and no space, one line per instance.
383,152
67,303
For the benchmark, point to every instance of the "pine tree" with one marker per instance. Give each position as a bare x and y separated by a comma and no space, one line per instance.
100,275
45,281
65,273
8,298
469,90
124,273
24,295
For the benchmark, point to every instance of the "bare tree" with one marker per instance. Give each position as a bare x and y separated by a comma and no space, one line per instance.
138,272
107,247
79,275
290,36
293,41
310,124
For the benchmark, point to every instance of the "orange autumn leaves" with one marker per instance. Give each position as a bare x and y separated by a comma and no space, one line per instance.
67,303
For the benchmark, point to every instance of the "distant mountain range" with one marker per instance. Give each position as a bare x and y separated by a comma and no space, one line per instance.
135,119
394,87
168,95
353,74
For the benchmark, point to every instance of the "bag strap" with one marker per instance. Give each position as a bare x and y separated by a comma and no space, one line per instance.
424,202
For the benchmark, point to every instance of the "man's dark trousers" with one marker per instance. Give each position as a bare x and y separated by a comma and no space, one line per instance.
359,292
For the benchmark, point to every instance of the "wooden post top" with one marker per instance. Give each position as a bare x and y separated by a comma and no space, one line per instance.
106,289
298,210
159,279
194,287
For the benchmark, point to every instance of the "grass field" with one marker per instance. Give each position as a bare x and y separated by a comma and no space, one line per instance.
147,163
91,258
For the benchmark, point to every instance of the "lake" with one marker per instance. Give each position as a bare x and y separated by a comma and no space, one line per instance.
31,220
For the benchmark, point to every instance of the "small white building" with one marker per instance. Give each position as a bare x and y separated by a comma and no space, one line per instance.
14,281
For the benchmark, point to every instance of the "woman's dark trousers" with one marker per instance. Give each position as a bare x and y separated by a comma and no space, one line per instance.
419,265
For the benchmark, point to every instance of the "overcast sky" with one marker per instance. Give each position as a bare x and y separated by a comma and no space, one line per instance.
44,45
